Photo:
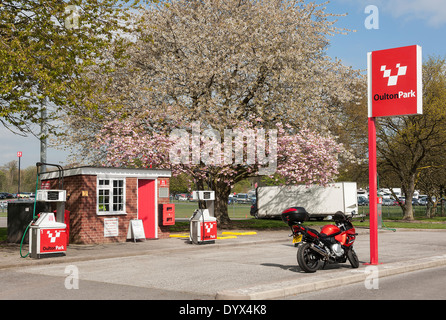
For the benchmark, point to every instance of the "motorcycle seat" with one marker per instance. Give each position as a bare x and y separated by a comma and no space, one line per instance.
314,231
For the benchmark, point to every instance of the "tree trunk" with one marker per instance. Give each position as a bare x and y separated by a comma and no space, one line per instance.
408,190
222,191
429,207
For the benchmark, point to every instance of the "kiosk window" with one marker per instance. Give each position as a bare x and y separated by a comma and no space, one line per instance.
111,195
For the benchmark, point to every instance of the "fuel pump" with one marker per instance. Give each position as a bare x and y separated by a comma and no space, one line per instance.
203,224
47,237
47,232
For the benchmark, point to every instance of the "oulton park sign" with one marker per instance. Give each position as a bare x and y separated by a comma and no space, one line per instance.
394,89
395,82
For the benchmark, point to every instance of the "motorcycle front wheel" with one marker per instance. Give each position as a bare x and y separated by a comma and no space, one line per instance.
353,258
307,259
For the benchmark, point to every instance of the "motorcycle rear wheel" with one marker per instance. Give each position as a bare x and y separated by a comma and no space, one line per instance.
307,259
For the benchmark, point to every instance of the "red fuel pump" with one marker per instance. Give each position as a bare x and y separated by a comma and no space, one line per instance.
48,233
47,237
203,224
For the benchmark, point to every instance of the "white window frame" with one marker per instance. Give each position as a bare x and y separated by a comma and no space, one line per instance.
113,196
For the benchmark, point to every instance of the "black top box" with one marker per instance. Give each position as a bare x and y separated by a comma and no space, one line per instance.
294,215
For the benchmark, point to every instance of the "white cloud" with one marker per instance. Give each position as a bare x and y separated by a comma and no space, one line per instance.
433,12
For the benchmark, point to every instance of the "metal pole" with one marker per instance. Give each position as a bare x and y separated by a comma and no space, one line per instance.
43,137
18,186
373,214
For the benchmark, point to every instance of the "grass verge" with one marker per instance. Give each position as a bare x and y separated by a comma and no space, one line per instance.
265,224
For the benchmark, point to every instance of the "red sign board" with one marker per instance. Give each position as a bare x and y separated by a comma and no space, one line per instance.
19,154
394,82
45,185
210,230
53,240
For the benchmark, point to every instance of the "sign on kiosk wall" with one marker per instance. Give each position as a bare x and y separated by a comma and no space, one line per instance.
395,84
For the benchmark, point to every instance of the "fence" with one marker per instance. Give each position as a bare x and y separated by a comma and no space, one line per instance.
396,212
3,207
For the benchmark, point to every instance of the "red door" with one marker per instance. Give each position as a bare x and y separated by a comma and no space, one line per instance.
147,207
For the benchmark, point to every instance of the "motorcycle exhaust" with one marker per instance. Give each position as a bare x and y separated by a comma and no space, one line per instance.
319,250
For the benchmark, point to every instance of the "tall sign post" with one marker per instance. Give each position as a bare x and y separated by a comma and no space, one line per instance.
19,155
394,89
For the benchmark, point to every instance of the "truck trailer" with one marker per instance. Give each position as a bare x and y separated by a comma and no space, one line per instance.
319,201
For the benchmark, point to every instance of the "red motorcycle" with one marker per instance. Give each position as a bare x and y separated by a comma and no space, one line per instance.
333,244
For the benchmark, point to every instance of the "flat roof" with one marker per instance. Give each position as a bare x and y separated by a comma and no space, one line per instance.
109,172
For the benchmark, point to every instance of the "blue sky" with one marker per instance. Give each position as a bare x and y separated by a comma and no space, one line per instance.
401,23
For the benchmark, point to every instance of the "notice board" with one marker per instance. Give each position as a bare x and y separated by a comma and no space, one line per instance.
111,227
136,230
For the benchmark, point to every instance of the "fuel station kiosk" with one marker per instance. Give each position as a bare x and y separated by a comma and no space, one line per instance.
94,205
115,204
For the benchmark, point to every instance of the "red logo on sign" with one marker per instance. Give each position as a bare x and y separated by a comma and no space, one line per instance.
45,185
395,82
19,154
393,79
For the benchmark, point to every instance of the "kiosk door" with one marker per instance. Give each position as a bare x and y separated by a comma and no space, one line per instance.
147,207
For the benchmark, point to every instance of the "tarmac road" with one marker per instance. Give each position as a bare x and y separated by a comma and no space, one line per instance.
18,285
261,266
426,284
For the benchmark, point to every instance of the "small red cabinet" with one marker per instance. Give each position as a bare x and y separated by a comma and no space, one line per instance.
167,214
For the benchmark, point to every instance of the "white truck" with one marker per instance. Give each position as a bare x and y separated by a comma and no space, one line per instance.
319,201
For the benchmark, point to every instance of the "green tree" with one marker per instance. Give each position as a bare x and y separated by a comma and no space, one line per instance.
180,183
351,130
46,47
229,65
431,179
407,144
9,177
28,179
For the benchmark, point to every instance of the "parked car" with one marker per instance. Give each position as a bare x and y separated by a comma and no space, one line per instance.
422,201
388,202
363,201
242,198
181,197
6,195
